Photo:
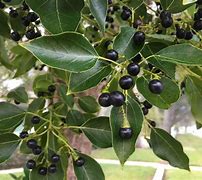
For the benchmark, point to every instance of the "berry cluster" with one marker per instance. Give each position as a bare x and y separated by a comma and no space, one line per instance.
50,91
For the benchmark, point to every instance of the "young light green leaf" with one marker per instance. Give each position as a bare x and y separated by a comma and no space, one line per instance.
8,144
168,148
194,93
124,43
98,131
19,94
125,147
10,115
88,104
164,100
69,51
99,11
59,15
90,170
185,54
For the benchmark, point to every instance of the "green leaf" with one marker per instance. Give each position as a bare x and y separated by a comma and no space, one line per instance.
19,94
4,30
67,99
98,131
168,148
15,2
175,6
88,104
8,144
185,54
10,116
99,11
194,93
90,170
69,51
125,147
59,15
164,100
88,79
135,4
124,43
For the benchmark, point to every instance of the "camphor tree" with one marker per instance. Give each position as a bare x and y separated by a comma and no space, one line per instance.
147,53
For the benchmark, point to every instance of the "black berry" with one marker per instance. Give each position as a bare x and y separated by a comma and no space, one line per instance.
42,171
180,33
156,86
15,36
37,150
126,82
197,25
35,120
125,133
16,102
125,15
165,14
167,22
112,54
23,134
13,13
55,158
31,143
104,100
2,5
117,98
145,110
31,164
137,58
52,168
109,19
41,94
139,37
133,69
189,35
199,2
152,123
51,88
147,105
25,21
137,23
30,34
79,162
32,16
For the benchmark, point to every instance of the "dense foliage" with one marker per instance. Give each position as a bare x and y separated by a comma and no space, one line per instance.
146,53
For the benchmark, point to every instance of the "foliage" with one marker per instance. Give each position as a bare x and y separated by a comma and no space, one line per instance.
146,57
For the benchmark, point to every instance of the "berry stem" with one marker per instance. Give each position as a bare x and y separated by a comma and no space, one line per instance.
109,60
125,120
34,114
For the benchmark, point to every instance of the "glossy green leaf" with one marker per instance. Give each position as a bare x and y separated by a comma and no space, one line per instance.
88,104
90,170
4,30
125,147
69,51
124,43
67,99
59,15
19,94
10,115
99,11
98,131
194,93
88,79
185,54
15,2
168,148
8,144
164,100
175,6
135,4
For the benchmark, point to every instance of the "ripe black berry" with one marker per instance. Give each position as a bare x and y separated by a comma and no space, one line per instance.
15,36
31,164
117,98
152,123
109,1
52,168
125,15
32,16
79,162
147,105
156,86
55,158
42,171
126,82
104,100
199,13
145,110
109,19
197,25
31,143
139,37
137,23
2,5
199,2
30,34
137,58
167,22
13,13
180,33
41,94
164,14
16,102
35,120
133,69
189,35
25,6
37,150
23,134
125,133
112,54
51,88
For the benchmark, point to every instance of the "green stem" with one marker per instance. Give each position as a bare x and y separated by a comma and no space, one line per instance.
109,60
34,114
